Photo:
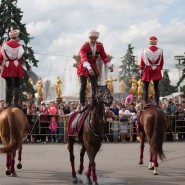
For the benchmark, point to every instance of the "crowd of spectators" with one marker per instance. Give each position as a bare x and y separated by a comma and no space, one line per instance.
46,128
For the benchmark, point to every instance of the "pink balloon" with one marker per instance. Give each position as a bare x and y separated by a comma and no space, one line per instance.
53,110
129,98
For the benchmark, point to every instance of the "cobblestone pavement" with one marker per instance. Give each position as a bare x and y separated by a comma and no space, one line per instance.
48,164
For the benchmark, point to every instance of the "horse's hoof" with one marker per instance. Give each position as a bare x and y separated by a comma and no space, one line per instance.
8,173
89,181
151,168
155,171
95,183
140,162
19,166
14,174
80,172
75,181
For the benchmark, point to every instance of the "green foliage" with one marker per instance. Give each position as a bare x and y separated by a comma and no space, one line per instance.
164,85
10,18
129,67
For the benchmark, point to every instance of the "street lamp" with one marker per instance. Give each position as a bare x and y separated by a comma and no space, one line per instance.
179,66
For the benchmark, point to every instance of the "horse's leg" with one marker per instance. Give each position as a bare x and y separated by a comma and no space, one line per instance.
88,174
93,172
12,168
8,164
92,165
155,165
19,165
72,158
82,153
142,145
151,164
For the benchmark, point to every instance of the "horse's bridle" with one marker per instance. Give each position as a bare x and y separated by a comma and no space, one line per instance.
102,98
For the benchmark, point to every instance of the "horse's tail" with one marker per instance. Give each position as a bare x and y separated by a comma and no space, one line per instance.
158,136
13,138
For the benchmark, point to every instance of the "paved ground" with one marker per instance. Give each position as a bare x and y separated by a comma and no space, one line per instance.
48,164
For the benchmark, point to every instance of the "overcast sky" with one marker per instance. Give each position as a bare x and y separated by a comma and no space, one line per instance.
60,27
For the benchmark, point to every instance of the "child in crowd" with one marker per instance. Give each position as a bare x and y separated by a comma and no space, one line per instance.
123,124
53,126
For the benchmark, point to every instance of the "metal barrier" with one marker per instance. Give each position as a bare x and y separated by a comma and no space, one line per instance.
41,125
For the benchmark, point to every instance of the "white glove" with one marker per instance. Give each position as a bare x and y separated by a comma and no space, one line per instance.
140,72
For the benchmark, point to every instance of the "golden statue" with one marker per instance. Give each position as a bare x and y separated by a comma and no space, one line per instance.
122,86
58,87
109,83
151,91
140,88
30,81
133,89
40,88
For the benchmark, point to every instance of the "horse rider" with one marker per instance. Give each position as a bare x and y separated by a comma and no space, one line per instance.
89,52
12,71
151,65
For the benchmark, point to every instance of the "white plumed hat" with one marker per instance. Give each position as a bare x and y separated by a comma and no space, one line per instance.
14,33
94,33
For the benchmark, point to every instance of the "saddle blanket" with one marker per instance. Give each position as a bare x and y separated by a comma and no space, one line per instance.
75,122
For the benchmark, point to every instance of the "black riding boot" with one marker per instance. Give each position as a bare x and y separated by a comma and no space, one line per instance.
16,98
146,97
146,84
156,88
8,97
157,98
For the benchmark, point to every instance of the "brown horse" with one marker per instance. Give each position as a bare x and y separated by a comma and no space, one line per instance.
13,126
153,126
90,135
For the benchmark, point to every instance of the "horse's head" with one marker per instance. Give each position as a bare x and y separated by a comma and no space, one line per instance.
103,94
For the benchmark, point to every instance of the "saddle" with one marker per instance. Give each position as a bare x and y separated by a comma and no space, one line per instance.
148,105
76,121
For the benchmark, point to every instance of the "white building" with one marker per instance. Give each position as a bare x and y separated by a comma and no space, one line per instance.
2,89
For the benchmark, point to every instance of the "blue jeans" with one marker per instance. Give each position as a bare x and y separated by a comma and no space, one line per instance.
116,135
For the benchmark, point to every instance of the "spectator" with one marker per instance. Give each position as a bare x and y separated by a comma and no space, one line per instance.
123,124
53,126
171,112
33,124
43,111
66,108
180,122
61,121
115,123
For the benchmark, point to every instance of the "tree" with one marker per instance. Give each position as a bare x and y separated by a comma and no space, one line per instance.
11,17
164,85
129,68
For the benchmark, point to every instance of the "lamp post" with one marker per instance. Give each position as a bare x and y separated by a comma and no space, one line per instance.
179,67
